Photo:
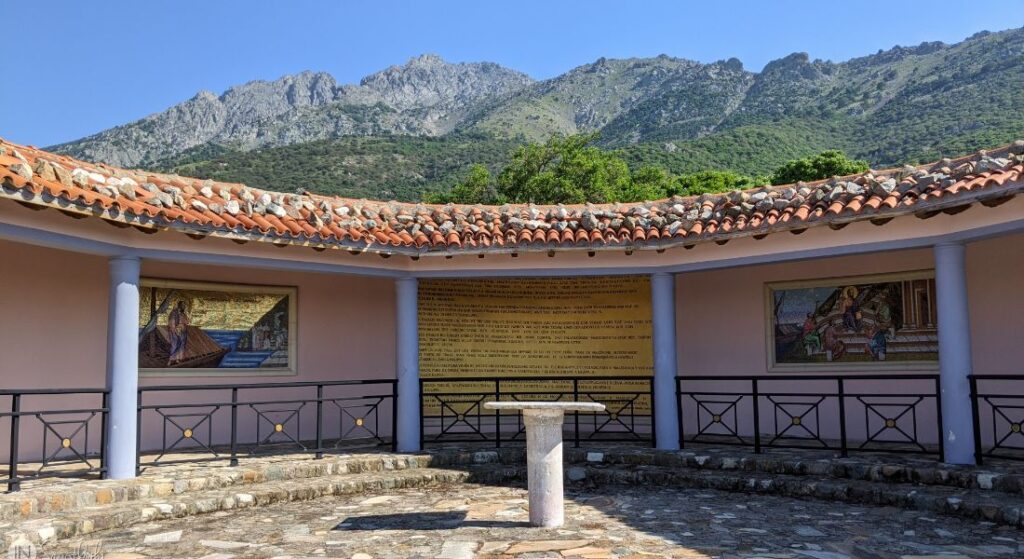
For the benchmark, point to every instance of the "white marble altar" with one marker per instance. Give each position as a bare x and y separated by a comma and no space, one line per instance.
543,421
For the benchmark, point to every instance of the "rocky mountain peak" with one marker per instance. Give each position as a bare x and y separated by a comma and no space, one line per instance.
205,95
429,80
628,100
733,64
796,66
426,59
426,96
790,62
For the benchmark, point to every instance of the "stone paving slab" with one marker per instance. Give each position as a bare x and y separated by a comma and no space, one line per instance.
991,493
968,503
110,517
55,494
487,522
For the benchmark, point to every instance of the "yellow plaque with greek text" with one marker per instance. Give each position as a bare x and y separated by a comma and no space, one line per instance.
583,327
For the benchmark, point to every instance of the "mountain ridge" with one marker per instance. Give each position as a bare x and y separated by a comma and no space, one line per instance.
899,105
423,97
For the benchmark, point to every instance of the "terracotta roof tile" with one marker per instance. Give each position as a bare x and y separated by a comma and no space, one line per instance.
151,200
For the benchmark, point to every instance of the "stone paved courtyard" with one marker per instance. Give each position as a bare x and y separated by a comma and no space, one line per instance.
467,521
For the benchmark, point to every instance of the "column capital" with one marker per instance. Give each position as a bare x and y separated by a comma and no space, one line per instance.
947,245
662,274
125,268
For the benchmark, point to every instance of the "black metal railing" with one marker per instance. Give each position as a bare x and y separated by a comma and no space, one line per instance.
225,421
452,409
897,412
53,433
998,402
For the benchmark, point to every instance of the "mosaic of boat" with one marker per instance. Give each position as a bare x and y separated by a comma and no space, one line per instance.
200,351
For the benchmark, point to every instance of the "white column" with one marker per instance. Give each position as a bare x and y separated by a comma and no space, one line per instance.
663,325
407,344
954,353
123,367
544,466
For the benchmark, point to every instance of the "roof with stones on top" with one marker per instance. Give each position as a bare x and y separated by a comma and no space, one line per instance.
153,202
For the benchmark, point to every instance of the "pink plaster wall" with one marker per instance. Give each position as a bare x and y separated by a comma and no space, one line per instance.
346,323
345,332
721,317
721,326
53,319
995,279
53,334
721,313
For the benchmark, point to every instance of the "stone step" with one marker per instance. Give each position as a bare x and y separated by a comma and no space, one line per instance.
985,489
100,517
874,467
998,507
54,496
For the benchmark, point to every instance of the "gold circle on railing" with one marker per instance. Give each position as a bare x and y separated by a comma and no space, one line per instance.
796,421
359,422
460,417
1015,427
187,433
890,423
66,443
716,418
613,416
278,427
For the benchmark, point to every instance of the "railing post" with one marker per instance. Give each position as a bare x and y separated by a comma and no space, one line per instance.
976,417
654,416
138,434
104,403
497,414
576,414
844,452
394,428
394,416
679,409
12,469
939,419
319,421
234,426
757,417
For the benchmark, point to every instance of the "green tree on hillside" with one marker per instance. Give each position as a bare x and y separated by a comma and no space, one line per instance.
570,170
564,170
649,183
826,164
707,182
476,188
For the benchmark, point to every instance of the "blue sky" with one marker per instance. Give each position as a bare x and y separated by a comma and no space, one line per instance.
81,67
